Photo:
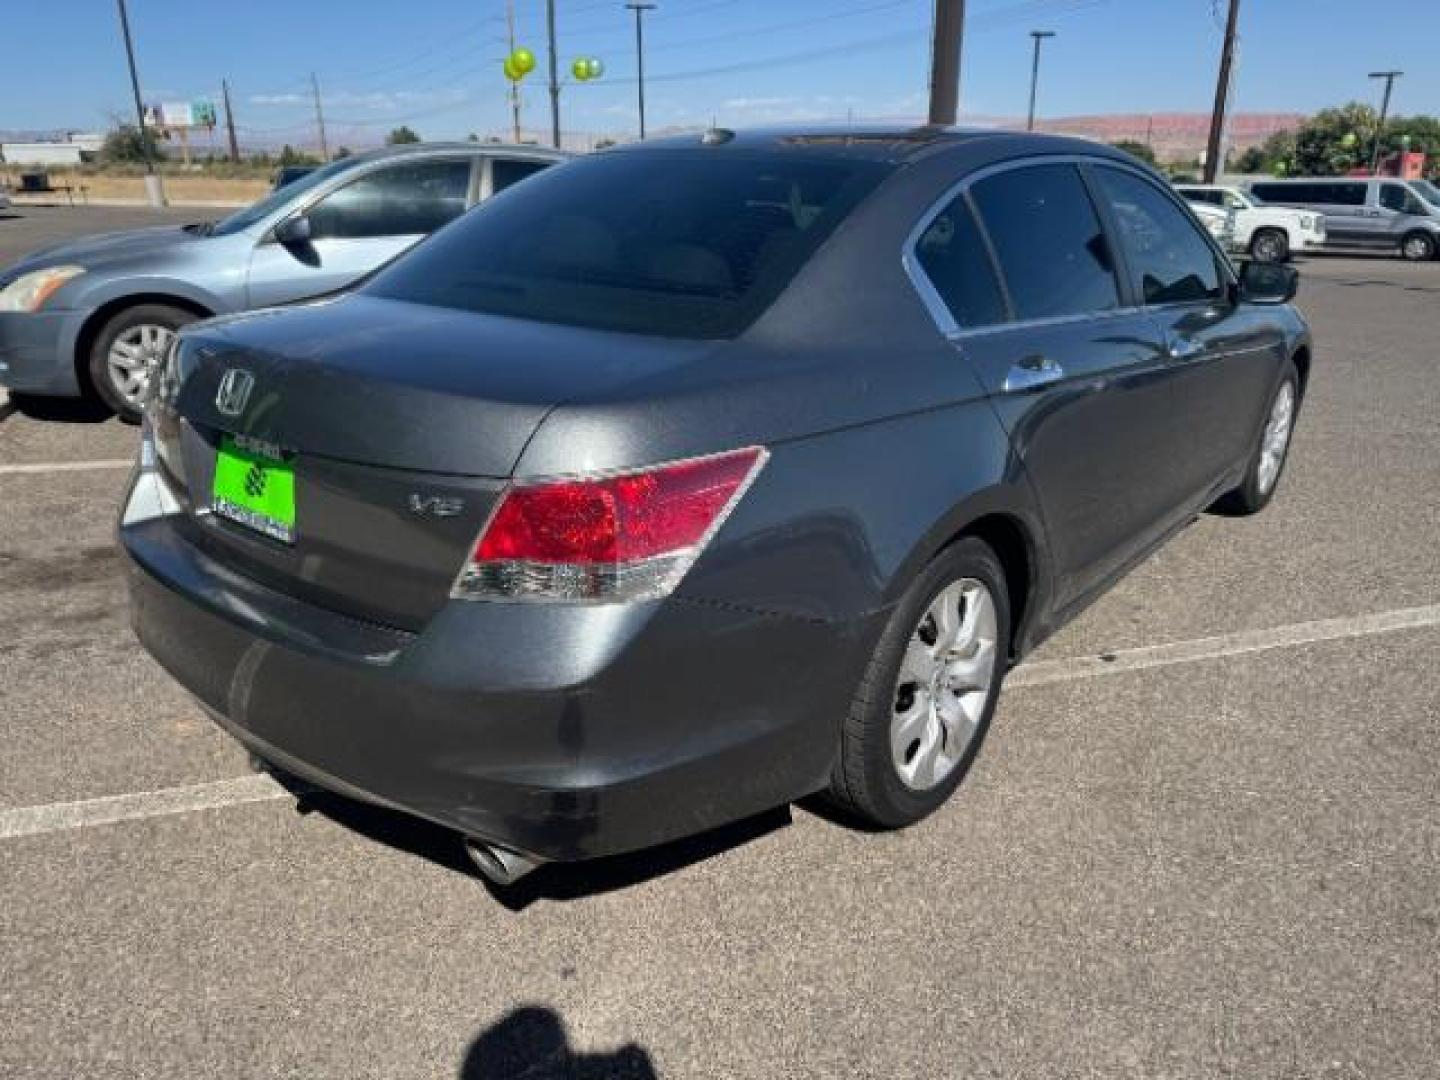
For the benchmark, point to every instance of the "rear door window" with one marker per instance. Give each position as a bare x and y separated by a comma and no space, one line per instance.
1047,237
686,243
1169,258
409,199
1214,198
952,254
507,171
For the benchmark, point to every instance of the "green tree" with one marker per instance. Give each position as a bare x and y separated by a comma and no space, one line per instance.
290,156
1137,149
1335,141
400,135
126,143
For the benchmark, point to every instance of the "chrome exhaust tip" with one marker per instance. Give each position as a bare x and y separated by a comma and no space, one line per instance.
500,865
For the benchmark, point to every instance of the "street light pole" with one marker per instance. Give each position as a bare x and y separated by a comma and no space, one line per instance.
153,190
640,10
1039,36
1389,77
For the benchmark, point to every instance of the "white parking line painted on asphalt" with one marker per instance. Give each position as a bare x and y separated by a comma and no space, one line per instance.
66,466
1212,648
61,817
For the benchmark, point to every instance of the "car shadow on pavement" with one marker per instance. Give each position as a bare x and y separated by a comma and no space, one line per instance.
532,1042
61,410
553,881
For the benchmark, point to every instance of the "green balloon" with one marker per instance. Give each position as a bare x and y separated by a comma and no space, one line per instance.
580,69
523,60
594,68
509,68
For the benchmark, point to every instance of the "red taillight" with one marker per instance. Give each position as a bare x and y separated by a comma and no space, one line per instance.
615,537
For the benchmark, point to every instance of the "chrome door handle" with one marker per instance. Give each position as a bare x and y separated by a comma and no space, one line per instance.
1183,348
1031,372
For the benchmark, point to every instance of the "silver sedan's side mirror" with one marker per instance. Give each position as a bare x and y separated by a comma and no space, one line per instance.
293,231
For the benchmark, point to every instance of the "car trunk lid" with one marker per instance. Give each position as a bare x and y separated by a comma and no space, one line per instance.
394,425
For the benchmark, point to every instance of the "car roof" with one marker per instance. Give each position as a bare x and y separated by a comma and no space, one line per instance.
891,144
421,148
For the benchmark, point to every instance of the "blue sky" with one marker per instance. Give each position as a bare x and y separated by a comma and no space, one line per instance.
435,64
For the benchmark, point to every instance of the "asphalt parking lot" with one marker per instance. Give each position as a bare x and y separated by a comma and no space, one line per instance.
1203,839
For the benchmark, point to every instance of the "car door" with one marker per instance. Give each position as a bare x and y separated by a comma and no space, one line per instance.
1076,374
1221,354
1397,205
359,226
1349,216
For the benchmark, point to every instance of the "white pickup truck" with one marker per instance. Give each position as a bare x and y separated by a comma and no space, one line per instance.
1268,233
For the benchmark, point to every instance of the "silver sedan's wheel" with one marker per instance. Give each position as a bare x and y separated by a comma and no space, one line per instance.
1276,440
134,357
944,684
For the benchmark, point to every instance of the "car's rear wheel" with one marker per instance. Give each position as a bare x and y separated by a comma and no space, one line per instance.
925,702
127,352
1267,462
1270,246
1418,247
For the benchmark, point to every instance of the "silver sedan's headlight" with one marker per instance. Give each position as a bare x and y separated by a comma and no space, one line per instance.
29,291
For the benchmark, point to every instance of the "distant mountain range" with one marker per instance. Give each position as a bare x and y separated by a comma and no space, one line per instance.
1174,136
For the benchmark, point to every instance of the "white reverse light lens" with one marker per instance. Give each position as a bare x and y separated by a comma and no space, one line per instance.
29,291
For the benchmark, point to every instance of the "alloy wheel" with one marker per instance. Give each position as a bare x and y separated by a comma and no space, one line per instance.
944,682
134,357
1276,439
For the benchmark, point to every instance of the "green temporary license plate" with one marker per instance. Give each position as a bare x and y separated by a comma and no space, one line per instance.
255,486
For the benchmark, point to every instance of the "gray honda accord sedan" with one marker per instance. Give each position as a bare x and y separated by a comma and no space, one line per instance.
699,476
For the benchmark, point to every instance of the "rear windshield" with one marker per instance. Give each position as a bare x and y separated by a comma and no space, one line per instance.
671,243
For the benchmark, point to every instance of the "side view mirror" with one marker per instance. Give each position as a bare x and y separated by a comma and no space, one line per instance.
293,231
1268,283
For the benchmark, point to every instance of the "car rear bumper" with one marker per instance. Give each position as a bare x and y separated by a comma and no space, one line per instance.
563,732
33,355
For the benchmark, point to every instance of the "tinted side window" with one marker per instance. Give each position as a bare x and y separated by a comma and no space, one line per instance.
1395,197
954,258
402,200
1172,262
507,171
1214,198
1048,240
1345,194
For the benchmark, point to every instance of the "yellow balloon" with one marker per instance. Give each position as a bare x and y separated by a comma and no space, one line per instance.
581,69
509,69
523,60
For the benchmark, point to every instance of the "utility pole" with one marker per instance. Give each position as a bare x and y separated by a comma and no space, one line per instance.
1039,36
153,190
320,118
230,122
554,76
945,61
640,9
514,83
1389,77
1214,146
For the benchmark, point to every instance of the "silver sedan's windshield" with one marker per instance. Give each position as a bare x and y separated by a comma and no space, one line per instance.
296,189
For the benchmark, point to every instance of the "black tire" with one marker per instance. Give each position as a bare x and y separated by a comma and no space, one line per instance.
97,365
865,782
1418,246
1270,246
1252,495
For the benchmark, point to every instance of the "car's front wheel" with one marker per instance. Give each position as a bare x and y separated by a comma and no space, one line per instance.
925,702
127,352
1267,461
1270,246
1418,247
